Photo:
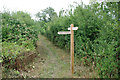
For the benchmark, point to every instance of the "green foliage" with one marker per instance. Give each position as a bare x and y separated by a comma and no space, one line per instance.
97,37
11,50
46,15
96,40
16,27
19,35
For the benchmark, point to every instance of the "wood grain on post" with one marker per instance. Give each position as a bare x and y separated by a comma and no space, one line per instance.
72,49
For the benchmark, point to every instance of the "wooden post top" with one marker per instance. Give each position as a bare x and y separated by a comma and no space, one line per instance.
72,25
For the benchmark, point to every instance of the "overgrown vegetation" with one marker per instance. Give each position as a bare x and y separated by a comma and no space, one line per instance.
97,39
19,36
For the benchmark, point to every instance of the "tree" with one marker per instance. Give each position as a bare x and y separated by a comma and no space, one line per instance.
46,15
61,12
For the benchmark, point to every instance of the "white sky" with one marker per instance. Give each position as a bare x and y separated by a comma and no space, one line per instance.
34,6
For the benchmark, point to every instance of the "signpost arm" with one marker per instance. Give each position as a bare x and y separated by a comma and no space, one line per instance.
72,28
72,49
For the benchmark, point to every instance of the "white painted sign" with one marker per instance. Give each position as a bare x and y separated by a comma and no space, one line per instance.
64,32
74,28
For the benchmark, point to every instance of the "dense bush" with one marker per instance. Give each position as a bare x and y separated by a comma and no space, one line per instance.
97,37
19,35
10,51
17,26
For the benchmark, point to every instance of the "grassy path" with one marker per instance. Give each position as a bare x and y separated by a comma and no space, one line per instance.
49,64
53,62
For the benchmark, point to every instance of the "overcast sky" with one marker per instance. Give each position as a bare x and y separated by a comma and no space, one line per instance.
34,6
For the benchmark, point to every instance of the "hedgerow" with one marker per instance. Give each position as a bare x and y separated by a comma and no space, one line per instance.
97,37
19,35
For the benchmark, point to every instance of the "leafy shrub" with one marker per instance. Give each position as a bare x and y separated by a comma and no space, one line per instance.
15,27
19,35
10,51
96,38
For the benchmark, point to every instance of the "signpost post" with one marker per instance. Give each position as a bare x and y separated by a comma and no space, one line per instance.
72,28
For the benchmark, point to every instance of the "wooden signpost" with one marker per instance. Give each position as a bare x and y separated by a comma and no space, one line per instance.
72,28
